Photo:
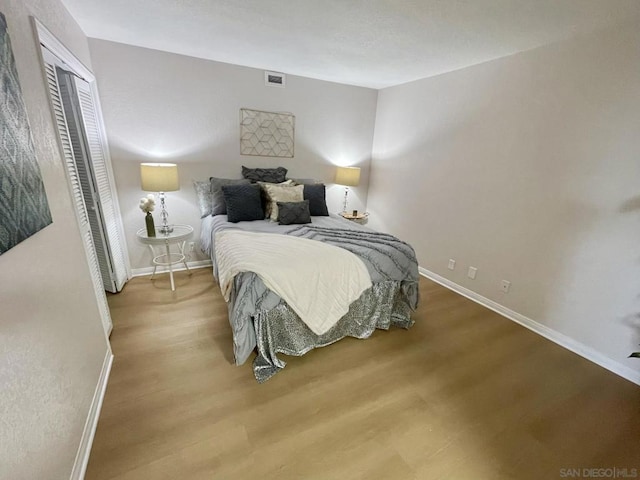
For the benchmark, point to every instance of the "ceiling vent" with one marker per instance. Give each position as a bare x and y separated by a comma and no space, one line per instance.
275,79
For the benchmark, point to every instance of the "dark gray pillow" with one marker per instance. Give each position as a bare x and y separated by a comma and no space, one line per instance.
315,194
218,206
243,202
270,175
293,212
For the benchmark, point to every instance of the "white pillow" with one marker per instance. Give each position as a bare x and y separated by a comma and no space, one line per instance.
280,193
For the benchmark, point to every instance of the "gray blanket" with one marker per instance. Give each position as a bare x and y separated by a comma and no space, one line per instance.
260,318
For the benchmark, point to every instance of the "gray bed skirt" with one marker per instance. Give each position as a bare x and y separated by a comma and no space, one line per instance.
280,330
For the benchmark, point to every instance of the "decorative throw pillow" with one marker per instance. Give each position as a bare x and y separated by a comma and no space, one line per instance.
317,200
243,203
218,205
304,181
266,203
293,212
203,193
271,175
281,193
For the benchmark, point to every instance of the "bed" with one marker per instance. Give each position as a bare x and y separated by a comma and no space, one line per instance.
262,321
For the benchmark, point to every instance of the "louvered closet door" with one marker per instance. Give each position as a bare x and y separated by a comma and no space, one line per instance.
81,154
101,178
76,191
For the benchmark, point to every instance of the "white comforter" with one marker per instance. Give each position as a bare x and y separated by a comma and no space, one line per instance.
318,281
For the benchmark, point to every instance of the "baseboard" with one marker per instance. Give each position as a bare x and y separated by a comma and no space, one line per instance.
548,333
139,272
82,457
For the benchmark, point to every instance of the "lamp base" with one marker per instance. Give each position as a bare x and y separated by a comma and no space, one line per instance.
165,229
346,194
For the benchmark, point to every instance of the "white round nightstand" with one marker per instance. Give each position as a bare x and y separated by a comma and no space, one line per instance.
360,217
178,237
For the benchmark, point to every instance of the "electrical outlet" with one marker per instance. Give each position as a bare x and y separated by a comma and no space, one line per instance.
192,247
472,273
452,264
505,285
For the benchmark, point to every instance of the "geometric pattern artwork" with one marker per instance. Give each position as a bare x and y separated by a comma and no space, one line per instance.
24,209
267,134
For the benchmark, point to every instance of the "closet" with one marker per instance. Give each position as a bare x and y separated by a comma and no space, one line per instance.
83,145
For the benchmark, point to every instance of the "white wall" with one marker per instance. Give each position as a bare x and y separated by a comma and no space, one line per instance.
160,106
52,344
528,168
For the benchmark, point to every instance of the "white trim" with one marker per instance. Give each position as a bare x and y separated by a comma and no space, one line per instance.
548,333
55,46
139,272
82,457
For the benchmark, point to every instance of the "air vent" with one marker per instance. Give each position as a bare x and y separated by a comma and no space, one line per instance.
275,79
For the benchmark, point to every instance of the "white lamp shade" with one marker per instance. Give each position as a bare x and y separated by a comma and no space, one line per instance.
348,176
159,177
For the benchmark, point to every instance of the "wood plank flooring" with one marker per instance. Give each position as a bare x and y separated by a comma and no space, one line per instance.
464,394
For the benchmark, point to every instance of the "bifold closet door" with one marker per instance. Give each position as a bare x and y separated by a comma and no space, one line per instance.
95,159
76,190
81,153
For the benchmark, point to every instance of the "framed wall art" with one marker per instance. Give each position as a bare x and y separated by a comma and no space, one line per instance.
266,134
24,209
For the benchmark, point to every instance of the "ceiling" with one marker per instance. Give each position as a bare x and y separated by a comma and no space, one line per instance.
371,43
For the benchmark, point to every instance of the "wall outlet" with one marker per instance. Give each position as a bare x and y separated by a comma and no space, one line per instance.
192,247
452,264
472,272
504,286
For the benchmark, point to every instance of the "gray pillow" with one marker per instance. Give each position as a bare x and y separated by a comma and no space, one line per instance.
315,194
270,175
243,202
203,193
218,205
293,212
304,181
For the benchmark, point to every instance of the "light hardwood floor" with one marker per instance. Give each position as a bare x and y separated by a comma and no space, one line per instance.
464,394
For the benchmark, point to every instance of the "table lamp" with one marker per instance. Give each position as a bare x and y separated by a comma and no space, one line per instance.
349,177
161,178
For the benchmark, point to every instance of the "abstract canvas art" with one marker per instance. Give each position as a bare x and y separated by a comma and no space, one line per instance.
267,134
24,209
